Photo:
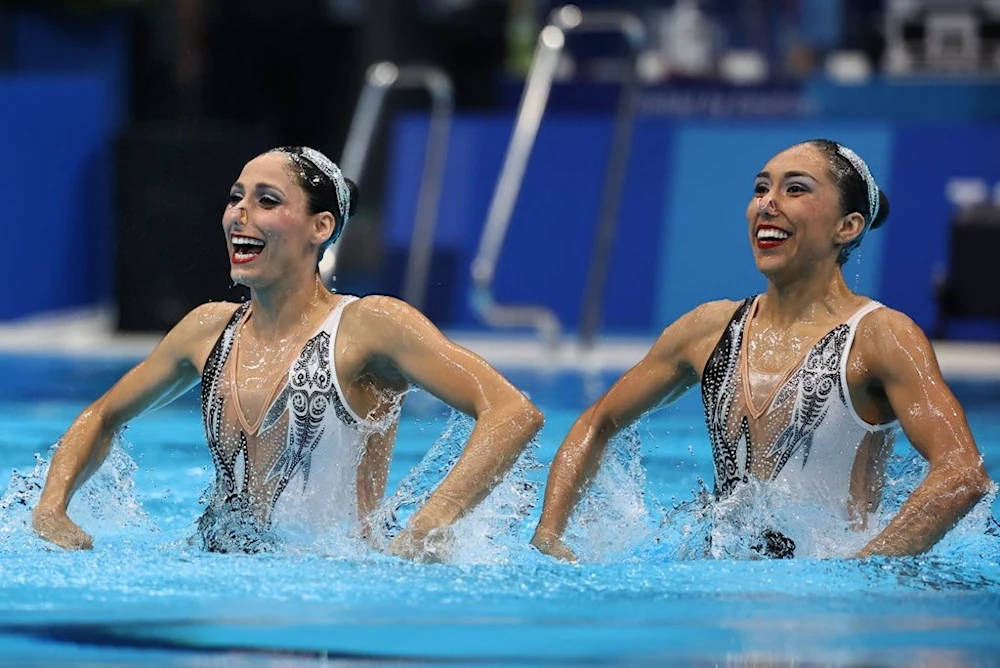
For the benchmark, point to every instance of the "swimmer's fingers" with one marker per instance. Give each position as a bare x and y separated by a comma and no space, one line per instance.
554,547
59,529
431,548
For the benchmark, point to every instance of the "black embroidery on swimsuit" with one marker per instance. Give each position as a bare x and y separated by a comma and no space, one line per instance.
213,424
276,410
727,461
229,523
311,392
816,382
210,375
229,483
717,397
787,391
774,545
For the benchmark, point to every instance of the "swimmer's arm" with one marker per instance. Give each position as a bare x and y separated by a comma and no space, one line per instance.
667,371
902,360
505,419
167,373
372,475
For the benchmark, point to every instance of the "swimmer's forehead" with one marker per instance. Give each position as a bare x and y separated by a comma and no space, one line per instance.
270,169
804,159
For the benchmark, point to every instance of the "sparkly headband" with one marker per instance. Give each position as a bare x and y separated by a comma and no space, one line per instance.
332,172
866,174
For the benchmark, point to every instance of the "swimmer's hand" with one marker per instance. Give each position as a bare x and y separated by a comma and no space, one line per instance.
56,527
552,545
429,547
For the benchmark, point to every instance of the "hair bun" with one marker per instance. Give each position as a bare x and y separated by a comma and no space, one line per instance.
883,210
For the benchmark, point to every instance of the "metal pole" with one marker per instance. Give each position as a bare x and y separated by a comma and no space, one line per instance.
422,245
614,179
551,42
380,78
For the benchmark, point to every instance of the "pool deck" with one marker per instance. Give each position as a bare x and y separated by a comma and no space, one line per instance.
91,333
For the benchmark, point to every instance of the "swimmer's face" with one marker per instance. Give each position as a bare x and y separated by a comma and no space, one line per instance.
795,218
269,231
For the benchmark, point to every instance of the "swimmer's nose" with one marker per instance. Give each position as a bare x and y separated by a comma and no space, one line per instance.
766,205
242,217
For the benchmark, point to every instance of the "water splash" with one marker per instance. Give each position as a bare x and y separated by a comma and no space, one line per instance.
619,514
619,519
106,505
494,531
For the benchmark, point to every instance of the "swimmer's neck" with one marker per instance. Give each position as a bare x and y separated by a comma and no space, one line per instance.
281,311
807,299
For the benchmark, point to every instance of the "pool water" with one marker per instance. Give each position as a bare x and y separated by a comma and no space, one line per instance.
642,595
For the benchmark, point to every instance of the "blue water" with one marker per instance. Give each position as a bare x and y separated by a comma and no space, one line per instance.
143,595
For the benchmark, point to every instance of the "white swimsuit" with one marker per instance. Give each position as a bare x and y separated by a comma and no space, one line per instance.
295,470
806,436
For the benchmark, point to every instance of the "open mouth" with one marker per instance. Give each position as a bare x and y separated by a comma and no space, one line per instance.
245,249
771,237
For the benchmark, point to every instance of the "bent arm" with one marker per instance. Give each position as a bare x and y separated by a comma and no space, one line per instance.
166,374
659,378
156,381
372,476
505,419
935,424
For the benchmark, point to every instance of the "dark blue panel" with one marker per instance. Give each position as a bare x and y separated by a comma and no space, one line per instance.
706,246
56,136
96,45
629,298
925,159
546,256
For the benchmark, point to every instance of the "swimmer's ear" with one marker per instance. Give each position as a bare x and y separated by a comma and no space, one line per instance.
323,226
850,227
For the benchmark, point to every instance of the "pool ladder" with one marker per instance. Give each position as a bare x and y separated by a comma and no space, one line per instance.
550,46
379,80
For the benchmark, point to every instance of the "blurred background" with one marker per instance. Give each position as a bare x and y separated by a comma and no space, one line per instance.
124,122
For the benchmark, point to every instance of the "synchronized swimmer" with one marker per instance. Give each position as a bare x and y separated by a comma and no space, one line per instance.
805,386
300,386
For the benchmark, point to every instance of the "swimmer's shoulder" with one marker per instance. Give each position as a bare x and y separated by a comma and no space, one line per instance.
707,320
197,332
884,317
209,318
372,313
692,336
885,332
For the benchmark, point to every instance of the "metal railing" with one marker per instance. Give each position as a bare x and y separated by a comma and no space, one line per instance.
551,44
380,78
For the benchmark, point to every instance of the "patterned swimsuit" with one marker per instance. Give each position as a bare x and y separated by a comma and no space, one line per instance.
295,469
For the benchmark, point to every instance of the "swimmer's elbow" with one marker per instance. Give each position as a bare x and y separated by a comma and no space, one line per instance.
517,417
536,419
977,482
967,485
597,422
103,418
530,417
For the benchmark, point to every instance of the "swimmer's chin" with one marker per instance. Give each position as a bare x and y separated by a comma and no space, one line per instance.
241,277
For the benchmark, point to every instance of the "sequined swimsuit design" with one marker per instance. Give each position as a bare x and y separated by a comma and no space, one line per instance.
259,471
808,436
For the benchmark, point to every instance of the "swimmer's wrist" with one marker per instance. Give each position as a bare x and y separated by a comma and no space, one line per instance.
51,504
439,511
543,534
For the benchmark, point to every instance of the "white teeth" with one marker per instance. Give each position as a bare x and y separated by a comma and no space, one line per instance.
772,233
246,241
